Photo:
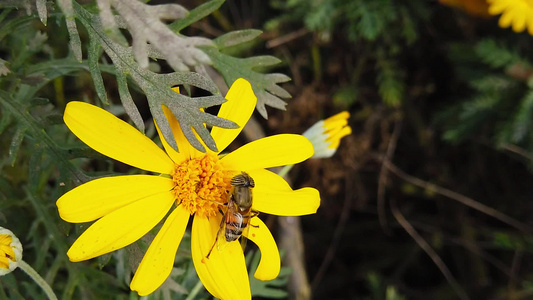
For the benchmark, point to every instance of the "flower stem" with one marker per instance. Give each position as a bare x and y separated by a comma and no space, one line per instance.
285,170
38,279
195,290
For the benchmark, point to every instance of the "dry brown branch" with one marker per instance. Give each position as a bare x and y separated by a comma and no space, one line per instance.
429,251
273,43
291,239
337,235
517,150
383,175
458,197
515,268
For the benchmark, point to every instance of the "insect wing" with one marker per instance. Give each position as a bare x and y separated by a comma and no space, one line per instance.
221,239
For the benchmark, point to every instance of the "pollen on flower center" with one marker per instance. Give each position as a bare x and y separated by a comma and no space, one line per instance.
201,185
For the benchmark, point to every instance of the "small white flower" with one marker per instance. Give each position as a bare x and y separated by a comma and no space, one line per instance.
10,251
326,135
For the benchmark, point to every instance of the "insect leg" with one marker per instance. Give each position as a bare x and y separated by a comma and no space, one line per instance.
255,213
216,238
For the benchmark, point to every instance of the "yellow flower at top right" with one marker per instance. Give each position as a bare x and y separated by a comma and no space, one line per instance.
517,14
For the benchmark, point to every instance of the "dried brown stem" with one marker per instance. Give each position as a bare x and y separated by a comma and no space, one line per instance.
517,150
291,239
458,197
429,251
335,241
383,175
286,38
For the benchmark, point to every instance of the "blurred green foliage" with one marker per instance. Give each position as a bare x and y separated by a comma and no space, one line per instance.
446,97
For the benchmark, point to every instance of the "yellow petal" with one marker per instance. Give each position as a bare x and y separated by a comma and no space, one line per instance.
272,151
121,227
158,261
270,262
506,19
529,19
115,138
519,20
224,273
99,197
286,203
268,180
239,108
4,262
336,139
497,7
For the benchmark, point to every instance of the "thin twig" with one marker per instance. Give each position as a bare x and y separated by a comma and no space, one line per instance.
383,175
517,150
468,245
429,251
195,290
458,197
515,268
286,38
337,235
291,239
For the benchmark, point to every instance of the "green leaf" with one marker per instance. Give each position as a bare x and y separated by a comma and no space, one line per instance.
196,14
369,19
41,10
236,37
265,86
522,122
14,147
157,88
5,121
321,16
266,289
492,83
127,102
75,42
94,53
496,55
391,82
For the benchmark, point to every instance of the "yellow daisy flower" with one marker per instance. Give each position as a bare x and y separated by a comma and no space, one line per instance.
10,251
326,135
191,183
515,13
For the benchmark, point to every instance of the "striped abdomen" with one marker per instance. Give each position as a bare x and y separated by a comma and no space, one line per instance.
235,223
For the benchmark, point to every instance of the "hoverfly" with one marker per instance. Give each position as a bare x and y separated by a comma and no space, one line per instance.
239,211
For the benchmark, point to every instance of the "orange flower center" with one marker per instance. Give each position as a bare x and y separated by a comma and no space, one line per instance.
201,185
6,251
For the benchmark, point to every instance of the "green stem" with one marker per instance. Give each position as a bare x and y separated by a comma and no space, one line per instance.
195,290
38,279
283,172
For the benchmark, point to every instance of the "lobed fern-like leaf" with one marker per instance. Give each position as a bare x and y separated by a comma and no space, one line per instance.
496,55
75,42
265,86
157,88
195,15
390,81
369,19
523,120
145,24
